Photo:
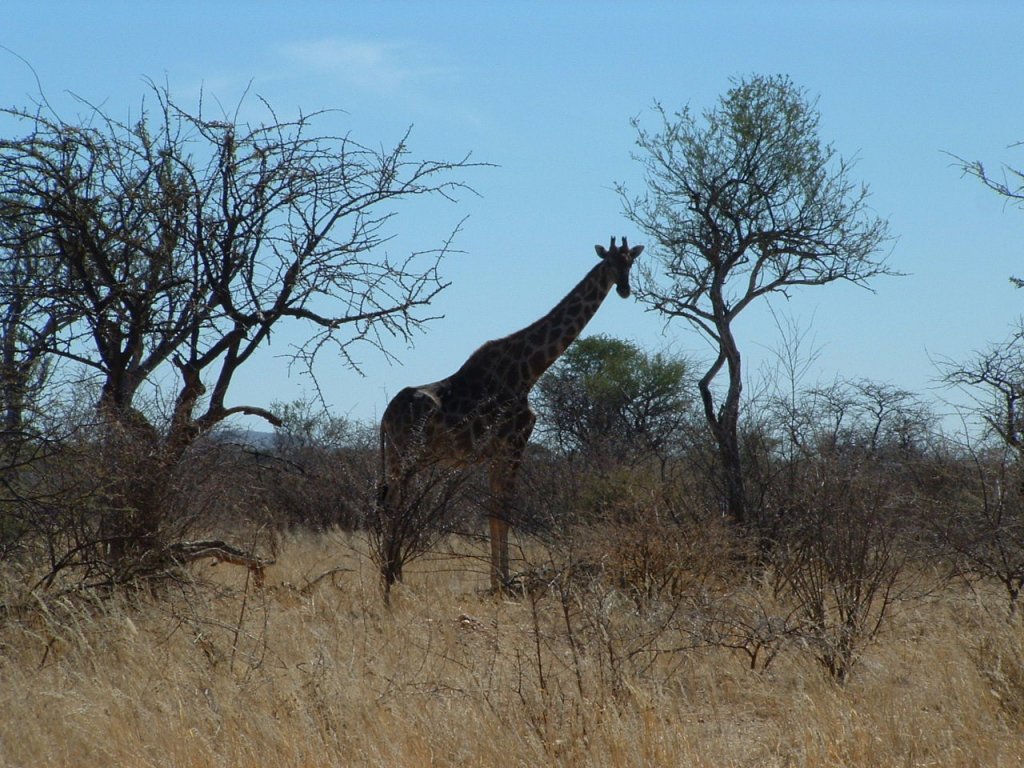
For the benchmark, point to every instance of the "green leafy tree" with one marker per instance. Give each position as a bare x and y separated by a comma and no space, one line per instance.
745,201
608,402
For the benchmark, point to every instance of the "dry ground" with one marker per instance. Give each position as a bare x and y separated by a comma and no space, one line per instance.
309,672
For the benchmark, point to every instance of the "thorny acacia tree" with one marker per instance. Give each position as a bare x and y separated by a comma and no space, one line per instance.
170,247
742,202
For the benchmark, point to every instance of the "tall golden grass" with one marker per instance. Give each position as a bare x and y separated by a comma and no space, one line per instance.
314,670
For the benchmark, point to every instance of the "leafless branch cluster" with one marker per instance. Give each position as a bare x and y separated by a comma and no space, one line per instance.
162,252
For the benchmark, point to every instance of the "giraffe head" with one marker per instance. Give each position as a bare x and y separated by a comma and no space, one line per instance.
621,259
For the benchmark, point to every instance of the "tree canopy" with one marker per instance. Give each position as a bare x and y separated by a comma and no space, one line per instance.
607,400
743,201
183,240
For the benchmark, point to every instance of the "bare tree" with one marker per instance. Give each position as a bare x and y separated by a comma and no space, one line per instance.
841,563
744,202
984,530
175,244
994,379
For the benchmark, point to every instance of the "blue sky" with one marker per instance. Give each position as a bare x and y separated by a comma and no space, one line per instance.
545,91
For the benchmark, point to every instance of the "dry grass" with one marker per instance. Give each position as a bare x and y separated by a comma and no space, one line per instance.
322,674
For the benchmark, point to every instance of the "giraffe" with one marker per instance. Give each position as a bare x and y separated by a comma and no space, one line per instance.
480,414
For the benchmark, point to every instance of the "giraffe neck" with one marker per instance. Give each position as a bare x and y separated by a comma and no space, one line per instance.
547,338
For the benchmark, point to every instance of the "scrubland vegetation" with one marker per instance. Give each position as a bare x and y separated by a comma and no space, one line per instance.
643,629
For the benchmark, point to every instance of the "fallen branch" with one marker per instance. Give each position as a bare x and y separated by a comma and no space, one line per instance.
331,572
220,551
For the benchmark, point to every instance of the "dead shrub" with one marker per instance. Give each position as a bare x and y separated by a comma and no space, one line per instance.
430,505
840,563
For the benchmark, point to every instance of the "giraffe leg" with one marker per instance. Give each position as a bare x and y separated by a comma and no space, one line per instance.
502,476
499,554
389,502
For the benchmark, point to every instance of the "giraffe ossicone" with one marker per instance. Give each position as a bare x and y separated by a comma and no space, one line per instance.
481,413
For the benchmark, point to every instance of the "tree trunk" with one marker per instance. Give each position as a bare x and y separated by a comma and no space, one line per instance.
133,487
139,464
724,423
732,475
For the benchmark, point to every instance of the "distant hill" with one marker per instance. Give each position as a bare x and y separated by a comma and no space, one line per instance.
250,438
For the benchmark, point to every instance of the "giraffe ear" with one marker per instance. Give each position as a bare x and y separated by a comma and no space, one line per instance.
635,251
600,251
